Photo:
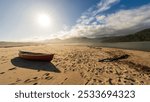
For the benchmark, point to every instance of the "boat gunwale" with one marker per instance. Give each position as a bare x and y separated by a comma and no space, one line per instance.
27,53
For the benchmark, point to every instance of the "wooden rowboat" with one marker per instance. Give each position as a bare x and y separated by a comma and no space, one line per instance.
35,56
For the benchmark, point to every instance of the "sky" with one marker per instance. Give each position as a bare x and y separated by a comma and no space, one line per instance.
34,20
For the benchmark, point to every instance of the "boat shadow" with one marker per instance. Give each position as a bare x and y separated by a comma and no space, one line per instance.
34,65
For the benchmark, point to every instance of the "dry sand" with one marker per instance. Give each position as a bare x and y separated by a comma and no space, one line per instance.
74,65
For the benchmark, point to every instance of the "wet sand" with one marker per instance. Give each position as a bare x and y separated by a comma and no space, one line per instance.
74,65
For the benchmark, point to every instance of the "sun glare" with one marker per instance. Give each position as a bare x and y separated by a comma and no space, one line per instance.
44,20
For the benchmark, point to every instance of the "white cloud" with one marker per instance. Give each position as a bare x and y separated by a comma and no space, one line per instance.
93,24
88,16
104,5
126,19
100,18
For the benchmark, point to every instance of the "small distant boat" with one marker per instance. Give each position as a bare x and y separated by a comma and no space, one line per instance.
35,56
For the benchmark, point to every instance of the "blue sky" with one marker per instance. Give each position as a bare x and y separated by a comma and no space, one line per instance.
71,18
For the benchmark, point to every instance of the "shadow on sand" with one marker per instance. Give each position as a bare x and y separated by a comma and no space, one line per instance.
34,65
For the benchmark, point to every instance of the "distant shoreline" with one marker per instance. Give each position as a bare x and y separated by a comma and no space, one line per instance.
142,46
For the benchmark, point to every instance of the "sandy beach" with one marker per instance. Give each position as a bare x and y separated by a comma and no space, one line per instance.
74,65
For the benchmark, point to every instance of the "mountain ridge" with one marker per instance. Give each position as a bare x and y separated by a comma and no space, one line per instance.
143,35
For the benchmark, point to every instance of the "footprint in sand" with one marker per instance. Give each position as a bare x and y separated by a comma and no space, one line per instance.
142,82
131,83
14,68
125,82
65,79
35,83
110,81
131,79
96,73
48,78
13,84
82,75
87,82
2,72
134,74
119,80
46,74
35,78
61,83
18,80
65,70
100,81
88,70
31,80
94,80
27,81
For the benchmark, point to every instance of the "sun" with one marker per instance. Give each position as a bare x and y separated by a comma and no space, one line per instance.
44,20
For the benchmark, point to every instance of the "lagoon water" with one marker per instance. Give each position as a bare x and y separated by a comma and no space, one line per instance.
144,46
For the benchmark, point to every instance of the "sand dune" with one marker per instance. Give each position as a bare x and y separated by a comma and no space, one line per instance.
75,65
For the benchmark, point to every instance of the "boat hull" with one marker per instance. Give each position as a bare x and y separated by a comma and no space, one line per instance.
36,56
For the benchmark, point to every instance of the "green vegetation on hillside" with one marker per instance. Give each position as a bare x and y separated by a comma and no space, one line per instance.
143,35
